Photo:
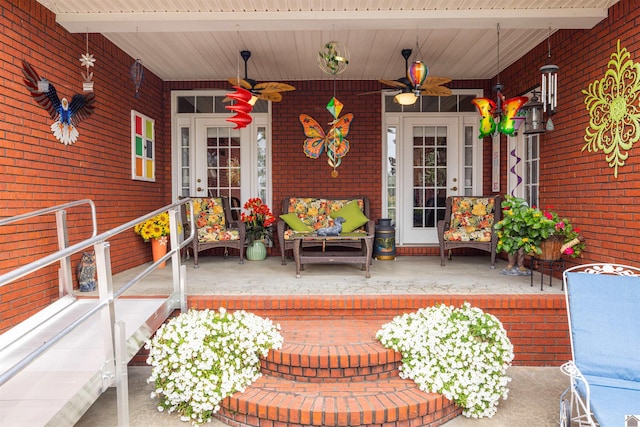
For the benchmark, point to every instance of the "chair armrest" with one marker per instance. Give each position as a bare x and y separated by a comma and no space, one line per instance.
281,227
370,227
441,227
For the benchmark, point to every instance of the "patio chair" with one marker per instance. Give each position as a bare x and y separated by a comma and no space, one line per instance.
215,227
468,223
603,309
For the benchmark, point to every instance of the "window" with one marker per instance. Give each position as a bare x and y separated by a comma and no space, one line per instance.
532,169
143,165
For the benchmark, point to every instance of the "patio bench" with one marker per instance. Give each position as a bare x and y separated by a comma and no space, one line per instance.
308,214
603,308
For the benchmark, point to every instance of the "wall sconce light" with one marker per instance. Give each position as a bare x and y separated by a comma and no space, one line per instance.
406,98
534,122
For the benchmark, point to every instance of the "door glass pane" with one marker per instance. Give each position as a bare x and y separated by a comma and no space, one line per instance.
391,173
430,175
223,162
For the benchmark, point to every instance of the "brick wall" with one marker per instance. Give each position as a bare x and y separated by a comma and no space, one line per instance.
535,324
37,171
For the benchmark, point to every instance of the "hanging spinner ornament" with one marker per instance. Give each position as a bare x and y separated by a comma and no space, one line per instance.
137,75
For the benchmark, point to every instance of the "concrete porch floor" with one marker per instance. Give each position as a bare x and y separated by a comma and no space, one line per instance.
534,391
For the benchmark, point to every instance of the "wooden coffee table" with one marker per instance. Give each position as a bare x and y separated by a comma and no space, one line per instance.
357,256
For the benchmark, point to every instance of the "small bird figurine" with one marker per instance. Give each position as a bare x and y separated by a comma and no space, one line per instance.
66,114
334,230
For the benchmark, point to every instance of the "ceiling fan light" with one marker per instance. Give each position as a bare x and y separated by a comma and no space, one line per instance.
417,73
406,98
253,100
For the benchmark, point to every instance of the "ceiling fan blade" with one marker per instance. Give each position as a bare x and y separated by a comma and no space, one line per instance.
240,82
433,80
393,83
269,96
273,87
435,90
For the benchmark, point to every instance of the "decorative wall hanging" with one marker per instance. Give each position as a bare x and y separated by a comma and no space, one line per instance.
614,108
143,147
333,58
241,107
335,141
136,72
87,60
66,114
499,116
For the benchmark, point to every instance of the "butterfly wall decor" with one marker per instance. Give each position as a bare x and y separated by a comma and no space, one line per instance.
507,110
334,141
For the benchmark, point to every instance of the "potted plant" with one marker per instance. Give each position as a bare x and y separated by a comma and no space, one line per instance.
258,221
523,229
156,230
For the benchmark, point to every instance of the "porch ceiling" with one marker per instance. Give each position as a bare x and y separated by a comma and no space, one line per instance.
201,39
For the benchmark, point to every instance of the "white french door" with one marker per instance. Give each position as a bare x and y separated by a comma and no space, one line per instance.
429,167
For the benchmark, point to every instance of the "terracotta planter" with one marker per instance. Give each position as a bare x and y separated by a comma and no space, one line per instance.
159,249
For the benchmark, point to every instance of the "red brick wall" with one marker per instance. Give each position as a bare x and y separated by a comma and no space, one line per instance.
536,324
37,171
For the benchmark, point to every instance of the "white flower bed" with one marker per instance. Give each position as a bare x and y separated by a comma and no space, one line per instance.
461,353
203,356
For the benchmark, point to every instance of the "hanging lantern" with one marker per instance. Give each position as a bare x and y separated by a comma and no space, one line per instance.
417,74
534,122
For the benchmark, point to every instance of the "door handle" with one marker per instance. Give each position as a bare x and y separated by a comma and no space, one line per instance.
454,188
199,189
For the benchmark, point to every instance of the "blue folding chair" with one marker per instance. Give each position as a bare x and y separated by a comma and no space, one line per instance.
603,308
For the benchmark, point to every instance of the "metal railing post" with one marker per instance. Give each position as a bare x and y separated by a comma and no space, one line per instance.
108,314
122,380
65,277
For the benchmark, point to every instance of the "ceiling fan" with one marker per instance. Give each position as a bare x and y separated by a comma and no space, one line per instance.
267,91
432,86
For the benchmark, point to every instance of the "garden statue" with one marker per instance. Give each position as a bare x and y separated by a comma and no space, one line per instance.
516,267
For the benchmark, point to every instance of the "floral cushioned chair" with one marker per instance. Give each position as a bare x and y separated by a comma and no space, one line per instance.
215,227
468,223
308,214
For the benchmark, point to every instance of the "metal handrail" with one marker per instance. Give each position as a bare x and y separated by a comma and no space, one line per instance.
104,300
64,206
57,256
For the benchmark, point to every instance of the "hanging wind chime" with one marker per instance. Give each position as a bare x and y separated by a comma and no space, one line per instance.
332,59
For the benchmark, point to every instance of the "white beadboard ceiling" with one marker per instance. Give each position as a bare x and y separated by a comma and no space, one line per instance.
202,39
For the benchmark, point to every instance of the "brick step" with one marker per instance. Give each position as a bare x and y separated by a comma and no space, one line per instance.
390,402
331,350
302,383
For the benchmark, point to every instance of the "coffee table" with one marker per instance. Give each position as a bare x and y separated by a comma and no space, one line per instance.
358,256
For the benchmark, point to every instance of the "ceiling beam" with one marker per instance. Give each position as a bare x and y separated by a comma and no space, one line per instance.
157,22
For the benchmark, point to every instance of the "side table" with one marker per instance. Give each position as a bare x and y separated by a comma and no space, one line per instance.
546,265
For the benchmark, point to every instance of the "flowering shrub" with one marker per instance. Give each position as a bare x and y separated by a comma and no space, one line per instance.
153,228
461,353
259,219
203,356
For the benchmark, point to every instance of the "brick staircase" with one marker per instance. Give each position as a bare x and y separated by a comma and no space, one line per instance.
333,372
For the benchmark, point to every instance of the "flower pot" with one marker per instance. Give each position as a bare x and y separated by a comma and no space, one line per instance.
256,251
551,248
159,249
